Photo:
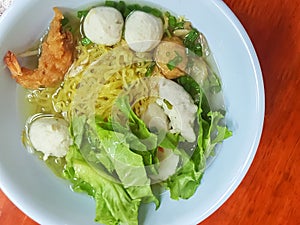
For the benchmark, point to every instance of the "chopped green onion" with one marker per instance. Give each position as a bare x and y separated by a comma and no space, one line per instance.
198,49
191,37
64,21
172,22
191,86
168,104
156,12
134,7
179,25
111,4
153,11
150,69
146,9
169,35
85,41
190,41
127,11
121,6
174,62
82,13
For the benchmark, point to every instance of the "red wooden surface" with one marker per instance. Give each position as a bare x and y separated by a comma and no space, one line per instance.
270,192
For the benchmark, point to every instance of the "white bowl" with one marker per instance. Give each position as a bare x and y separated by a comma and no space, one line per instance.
48,200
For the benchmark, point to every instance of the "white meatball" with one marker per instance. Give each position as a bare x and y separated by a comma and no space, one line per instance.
103,25
179,107
143,31
50,136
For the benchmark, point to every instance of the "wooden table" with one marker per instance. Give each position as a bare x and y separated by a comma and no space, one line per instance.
270,192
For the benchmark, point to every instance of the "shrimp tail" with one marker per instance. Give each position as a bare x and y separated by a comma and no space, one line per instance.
13,65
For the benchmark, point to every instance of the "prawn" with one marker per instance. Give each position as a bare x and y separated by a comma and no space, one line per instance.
55,60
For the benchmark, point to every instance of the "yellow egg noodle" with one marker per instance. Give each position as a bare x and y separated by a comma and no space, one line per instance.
97,77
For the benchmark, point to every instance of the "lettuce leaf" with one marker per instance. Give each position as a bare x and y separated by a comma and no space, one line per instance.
137,134
185,181
113,204
102,164
211,132
170,141
215,133
77,129
111,160
134,124
128,165
134,142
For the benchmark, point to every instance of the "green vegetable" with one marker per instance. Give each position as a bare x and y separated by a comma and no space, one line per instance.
135,144
113,203
172,64
82,13
213,83
169,140
65,21
191,37
197,49
128,165
196,92
191,42
56,164
153,11
173,22
216,132
111,3
211,132
102,164
135,124
134,7
191,86
121,6
137,134
185,181
150,69
85,41
127,9
77,129
168,104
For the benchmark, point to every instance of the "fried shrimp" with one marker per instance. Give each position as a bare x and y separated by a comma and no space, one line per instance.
54,62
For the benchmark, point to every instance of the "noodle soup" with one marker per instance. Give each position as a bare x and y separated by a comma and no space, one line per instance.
136,115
